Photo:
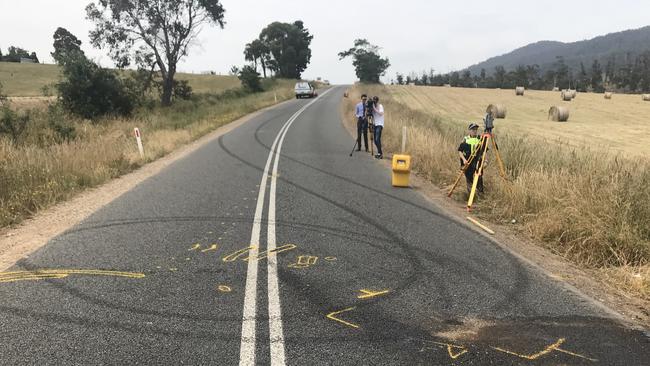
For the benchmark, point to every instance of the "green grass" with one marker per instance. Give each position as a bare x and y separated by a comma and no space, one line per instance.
28,80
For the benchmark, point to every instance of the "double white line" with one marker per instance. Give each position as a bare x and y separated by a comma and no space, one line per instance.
248,339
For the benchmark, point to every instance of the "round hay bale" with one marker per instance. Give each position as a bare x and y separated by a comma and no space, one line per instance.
608,95
573,93
447,85
519,90
556,89
497,110
558,114
566,96
646,97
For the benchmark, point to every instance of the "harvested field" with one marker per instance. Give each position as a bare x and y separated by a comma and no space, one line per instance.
613,125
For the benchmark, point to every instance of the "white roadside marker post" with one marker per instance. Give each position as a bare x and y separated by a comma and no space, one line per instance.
275,96
138,138
403,139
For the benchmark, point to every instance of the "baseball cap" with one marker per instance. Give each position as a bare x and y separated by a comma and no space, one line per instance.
472,126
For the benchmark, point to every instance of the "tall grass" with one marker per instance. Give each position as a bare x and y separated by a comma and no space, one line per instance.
582,203
41,169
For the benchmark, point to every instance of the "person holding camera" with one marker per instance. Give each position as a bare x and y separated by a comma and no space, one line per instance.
470,144
362,122
378,121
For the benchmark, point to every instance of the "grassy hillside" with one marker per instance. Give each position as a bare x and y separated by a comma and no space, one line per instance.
27,80
612,125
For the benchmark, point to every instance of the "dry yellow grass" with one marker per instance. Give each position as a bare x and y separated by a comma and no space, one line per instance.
40,170
618,125
584,204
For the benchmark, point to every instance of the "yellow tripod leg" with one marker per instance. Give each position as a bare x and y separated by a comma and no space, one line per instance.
479,170
502,169
472,193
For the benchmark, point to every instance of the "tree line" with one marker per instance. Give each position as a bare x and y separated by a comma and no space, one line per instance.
631,75
15,54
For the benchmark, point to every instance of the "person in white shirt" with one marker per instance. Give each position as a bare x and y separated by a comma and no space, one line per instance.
378,117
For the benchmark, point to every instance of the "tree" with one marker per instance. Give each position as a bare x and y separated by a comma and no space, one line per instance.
258,50
368,65
597,77
16,53
583,79
400,79
288,45
159,31
562,77
65,45
91,91
250,79
500,76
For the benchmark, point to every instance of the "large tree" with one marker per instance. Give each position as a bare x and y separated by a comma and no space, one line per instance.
258,50
288,45
368,65
65,45
151,31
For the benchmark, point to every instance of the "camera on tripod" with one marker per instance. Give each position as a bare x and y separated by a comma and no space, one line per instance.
370,107
489,122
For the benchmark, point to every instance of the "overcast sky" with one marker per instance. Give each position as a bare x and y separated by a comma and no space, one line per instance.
415,35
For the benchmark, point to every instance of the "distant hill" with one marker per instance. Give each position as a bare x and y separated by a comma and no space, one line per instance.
620,45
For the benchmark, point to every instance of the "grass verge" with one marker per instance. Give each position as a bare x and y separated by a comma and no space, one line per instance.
41,168
588,206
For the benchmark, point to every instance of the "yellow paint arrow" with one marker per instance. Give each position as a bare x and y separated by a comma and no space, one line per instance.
553,347
331,316
453,350
367,294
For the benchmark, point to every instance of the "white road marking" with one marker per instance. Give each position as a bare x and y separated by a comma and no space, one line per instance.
248,335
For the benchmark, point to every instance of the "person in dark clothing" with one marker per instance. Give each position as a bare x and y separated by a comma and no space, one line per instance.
468,146
362,122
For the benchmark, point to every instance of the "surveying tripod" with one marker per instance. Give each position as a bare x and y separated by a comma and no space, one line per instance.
479,155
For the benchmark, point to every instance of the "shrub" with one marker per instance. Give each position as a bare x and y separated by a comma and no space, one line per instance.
57,121
12,123
250,79
91,91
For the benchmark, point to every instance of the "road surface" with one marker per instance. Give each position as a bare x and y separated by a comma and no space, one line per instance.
270,245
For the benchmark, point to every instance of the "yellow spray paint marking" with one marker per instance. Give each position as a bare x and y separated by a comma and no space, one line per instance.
553,347
275,251
367,294
331,316
224,288
330,259
61,273
453,350
576,355
195,247
304,261
213,247
234,256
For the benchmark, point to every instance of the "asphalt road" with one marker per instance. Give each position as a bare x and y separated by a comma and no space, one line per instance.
231,256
